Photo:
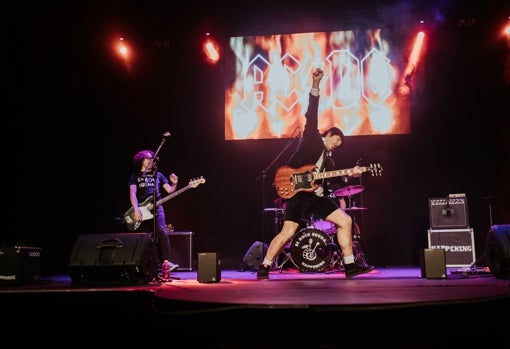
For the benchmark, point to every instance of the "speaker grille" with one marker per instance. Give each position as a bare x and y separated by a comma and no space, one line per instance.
255,254
448,213
110,259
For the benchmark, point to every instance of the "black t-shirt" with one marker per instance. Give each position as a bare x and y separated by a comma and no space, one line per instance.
145,184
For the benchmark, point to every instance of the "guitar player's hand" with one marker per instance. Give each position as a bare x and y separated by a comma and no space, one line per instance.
174,179
138,214
356,171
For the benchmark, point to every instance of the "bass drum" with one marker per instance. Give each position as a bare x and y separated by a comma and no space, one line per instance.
311,250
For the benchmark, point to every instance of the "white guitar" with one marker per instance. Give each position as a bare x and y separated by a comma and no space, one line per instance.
147,206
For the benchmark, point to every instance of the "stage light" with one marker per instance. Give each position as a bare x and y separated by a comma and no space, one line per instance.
123,51
122,48
211,49
412,63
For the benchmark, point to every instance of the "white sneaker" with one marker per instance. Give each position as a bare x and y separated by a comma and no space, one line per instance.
173,266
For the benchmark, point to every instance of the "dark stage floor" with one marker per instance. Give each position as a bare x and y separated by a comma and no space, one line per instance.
392,305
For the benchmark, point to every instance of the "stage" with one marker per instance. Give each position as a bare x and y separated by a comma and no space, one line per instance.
393,305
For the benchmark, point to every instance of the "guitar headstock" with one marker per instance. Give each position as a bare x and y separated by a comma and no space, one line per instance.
195,182
375,169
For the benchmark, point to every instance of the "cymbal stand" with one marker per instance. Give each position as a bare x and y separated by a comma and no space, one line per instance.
350,205
278,215
359,255
263,175
336,262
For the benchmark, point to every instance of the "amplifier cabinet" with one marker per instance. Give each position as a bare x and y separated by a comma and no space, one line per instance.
459,245
19,265
181,249
448,213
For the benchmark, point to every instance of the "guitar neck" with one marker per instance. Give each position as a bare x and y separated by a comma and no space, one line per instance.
336,173
170,196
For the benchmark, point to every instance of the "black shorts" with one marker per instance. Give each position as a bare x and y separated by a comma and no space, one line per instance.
306,203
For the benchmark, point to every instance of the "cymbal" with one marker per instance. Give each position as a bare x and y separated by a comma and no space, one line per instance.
275,209
354,208
350,190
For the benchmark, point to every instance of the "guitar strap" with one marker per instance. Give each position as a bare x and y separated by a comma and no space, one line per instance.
321,165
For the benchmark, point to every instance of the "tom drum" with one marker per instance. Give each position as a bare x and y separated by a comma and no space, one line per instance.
325,226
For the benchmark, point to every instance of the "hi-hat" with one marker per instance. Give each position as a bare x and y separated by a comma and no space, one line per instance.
354,208
350,190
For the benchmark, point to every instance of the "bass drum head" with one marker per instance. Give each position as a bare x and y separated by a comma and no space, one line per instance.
311,250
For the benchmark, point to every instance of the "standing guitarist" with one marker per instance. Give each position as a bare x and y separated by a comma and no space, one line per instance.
142,184
315,148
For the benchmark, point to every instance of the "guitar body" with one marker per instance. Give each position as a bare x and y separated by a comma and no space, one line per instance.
129,216
146,206
289,181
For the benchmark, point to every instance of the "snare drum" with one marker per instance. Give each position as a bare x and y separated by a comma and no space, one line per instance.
311,250
325,226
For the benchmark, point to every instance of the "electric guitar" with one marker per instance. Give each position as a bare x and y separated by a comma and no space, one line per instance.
289,181
147,205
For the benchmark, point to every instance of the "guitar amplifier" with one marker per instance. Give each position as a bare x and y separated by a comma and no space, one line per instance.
20,265
448,213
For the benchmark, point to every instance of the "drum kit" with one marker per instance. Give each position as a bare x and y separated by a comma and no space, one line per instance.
314,247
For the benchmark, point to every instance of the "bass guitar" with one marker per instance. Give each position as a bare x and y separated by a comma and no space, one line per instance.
289,181
147,206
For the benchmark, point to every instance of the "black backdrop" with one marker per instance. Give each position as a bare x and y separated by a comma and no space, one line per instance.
75,117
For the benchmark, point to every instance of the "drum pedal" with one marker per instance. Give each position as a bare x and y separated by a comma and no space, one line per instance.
286,258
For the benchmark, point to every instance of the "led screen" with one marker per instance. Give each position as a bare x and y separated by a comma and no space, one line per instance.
363,91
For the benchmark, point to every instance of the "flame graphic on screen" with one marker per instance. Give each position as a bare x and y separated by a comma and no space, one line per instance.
269,94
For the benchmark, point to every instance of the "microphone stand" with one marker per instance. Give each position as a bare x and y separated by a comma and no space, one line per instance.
153,166
264,174
154,169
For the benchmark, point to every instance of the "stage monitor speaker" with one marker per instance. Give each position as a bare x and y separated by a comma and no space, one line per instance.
255,254
433,263
498,246
113,259
209,267
448,213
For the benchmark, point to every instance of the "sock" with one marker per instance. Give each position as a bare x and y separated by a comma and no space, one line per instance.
267,262
349,259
